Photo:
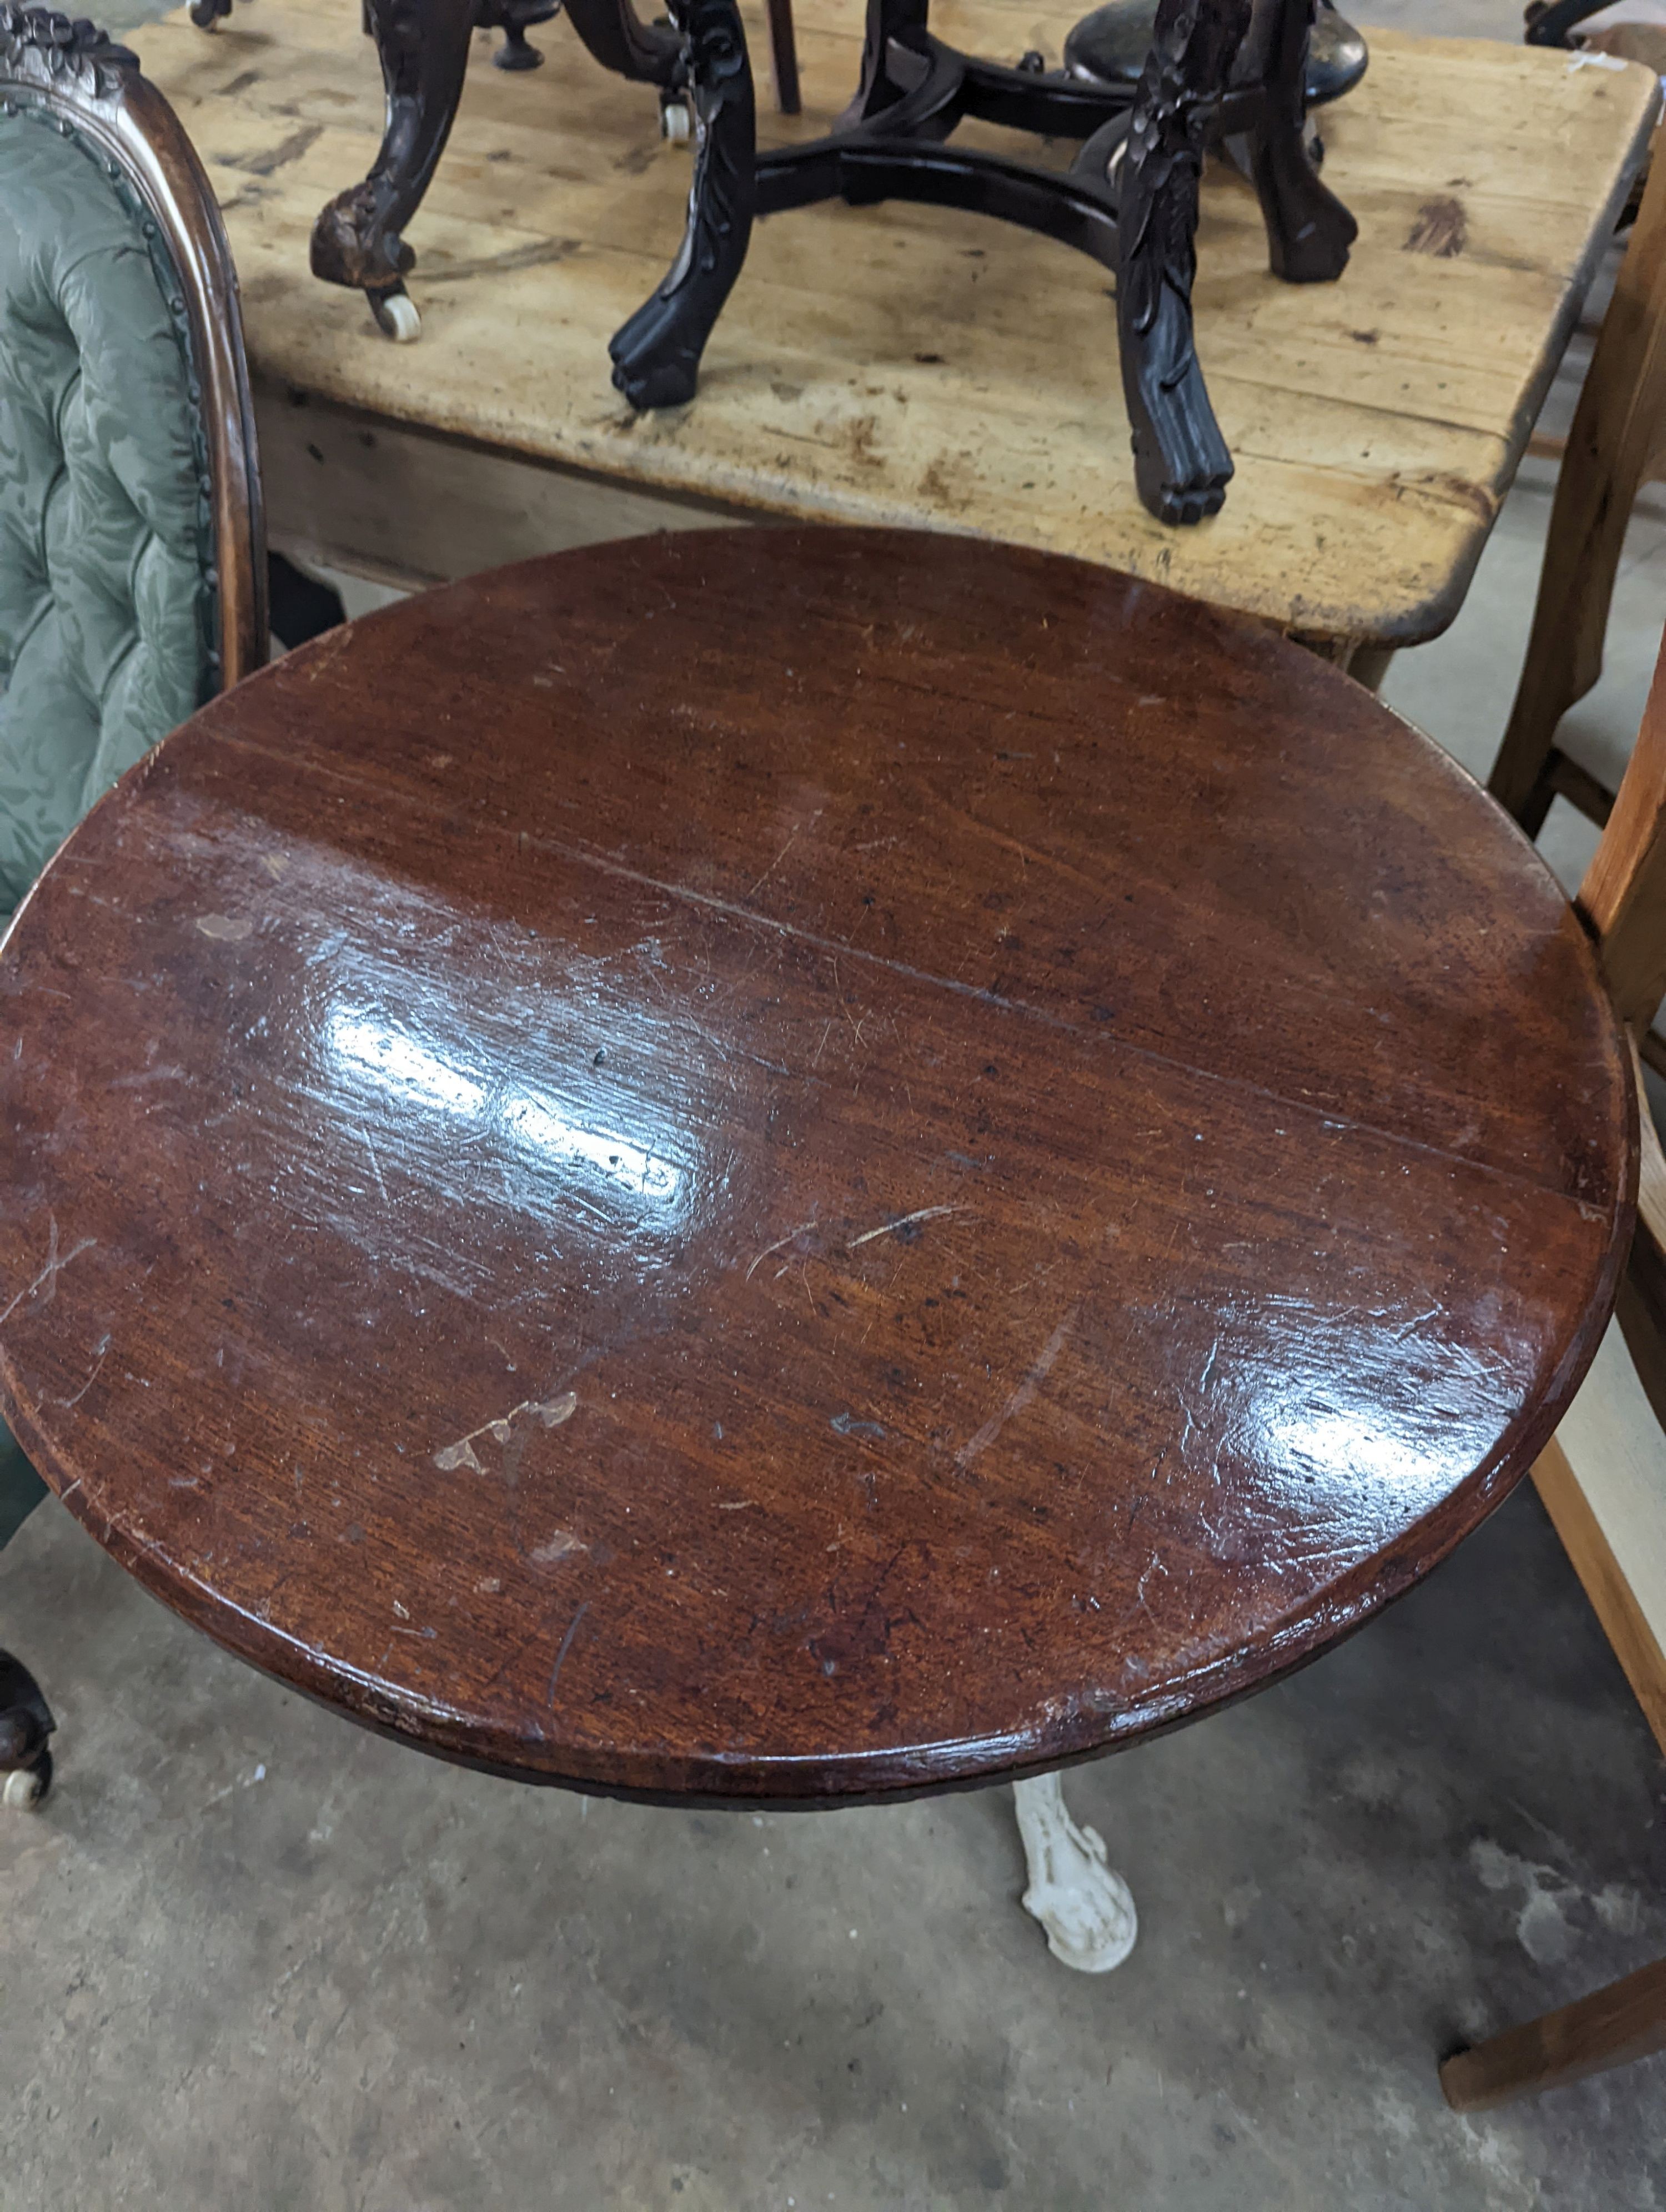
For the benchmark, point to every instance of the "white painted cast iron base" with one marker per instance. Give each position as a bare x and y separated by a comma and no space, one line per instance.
1086,1909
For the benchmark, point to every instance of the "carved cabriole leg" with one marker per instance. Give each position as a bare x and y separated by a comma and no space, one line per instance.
26,1765
1180,459
1086,1909
886,19
656,355
423,47
1309,231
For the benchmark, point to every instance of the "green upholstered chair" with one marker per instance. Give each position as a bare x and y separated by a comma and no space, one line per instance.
133,579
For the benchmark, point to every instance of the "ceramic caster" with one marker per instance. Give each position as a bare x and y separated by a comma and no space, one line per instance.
396,315
1086,1909
675,121
27,1786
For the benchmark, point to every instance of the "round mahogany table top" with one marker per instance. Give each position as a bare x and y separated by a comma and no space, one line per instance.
791,1164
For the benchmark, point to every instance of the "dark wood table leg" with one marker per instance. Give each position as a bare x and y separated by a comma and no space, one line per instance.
1181,461
1309,231
25,1723
1610,2027
423,47
656,355
784,56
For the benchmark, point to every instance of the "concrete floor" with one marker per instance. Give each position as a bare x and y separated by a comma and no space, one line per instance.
250,1959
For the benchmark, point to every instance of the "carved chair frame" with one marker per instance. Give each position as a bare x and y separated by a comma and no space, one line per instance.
71,78
91,90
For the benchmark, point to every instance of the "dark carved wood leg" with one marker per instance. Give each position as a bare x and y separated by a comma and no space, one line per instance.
423,47
656,355
616,36
784,56
886,19
1309,231
26,1765
1180,459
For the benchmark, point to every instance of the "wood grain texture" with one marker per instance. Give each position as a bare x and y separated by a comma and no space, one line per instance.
797,1164
1611,2027
1623,896
914,366
1605,1583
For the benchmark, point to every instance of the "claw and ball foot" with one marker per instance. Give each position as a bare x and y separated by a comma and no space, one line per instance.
423,48
1086,1909
656,355
25,1723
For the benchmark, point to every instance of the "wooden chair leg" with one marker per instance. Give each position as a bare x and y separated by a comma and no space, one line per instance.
1612,2027
1618,430
784,56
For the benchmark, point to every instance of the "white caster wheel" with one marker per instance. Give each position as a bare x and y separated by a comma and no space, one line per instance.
24,1789
395,316
676,122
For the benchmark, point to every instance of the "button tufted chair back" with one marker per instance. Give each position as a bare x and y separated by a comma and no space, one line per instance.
132,557
131,565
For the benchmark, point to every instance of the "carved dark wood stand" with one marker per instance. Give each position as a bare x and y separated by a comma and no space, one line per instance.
1130,199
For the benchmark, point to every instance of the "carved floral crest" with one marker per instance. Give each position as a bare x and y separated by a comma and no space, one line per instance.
39,47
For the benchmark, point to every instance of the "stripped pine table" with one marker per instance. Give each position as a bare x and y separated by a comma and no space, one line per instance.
910,365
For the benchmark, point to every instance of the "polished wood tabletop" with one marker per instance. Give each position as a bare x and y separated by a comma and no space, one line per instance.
790,1164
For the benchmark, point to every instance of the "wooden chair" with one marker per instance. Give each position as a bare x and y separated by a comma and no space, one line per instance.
134,576
1618,439
1623,903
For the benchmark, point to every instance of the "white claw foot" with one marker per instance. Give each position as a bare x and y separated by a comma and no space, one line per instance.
1086,1909
22,1789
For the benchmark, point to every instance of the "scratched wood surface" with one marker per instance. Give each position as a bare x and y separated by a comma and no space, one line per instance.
796,1164
916,365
